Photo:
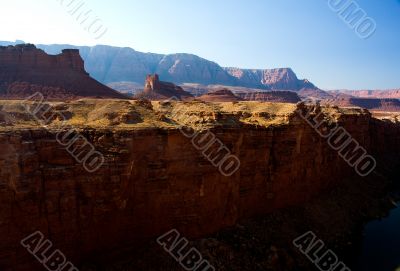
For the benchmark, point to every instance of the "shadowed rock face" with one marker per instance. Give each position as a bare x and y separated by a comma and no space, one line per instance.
156,90
25,70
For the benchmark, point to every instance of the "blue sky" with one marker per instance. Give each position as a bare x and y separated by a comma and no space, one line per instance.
305,35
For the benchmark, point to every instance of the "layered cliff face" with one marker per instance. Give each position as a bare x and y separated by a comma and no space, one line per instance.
154,179
25,70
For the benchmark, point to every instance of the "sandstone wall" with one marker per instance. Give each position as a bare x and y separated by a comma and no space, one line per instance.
155,180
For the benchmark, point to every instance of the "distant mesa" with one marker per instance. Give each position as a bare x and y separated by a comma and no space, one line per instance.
373,104
226,95
25,70
270,96
221,95
381,94
271,79
156,90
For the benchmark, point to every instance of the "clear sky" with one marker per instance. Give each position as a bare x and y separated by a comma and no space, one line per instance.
305,35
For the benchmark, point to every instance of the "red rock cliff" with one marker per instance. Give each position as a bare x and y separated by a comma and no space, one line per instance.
155,180
24,70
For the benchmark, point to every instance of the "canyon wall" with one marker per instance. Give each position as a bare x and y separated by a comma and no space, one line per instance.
154,180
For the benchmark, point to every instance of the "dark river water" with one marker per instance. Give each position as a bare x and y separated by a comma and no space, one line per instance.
380,249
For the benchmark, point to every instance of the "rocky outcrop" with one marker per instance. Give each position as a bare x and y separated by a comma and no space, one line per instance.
154,179
156,90
25,70
270,96
221,95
